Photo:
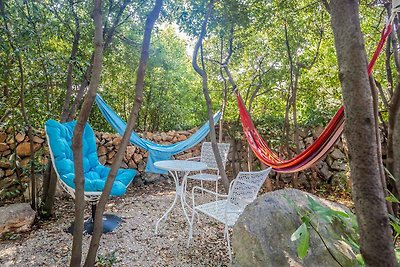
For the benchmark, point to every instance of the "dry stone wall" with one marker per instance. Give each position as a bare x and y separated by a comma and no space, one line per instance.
15,152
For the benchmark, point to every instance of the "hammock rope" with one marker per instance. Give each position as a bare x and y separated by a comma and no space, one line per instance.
321,146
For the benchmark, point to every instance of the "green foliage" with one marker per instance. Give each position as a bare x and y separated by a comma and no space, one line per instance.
43,33
108,260
315,212
304,237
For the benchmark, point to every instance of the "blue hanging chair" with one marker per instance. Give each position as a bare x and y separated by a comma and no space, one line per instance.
59,138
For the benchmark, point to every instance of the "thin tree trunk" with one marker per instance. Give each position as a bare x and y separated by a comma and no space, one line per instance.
74,51
50,178
289,99
49,191
109,34
40,48
375,234
203,75
295,125
390,206
98,221
76,257
224,97
393,147
23,108
393,137
225,66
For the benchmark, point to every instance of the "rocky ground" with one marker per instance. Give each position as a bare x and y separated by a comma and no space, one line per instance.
133,244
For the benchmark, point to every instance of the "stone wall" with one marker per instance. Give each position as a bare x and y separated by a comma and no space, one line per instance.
14,169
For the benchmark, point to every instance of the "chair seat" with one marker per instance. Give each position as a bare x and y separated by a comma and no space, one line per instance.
204,177
222,211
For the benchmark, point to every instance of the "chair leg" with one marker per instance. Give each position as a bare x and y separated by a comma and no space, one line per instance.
191,227
226,233
201,184
216,190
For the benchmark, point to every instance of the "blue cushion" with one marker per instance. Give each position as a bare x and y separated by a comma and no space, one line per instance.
60,142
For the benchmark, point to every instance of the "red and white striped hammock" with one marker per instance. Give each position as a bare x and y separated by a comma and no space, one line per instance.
319,148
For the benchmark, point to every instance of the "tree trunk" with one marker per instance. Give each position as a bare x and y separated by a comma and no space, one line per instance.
109,34
225,93
289,99
375,234
74,51
296,138
224,97
22,102
393,142
78,132
374,91
50,178
203,75
98,221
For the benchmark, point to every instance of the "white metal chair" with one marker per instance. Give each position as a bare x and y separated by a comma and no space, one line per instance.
207,156
242,191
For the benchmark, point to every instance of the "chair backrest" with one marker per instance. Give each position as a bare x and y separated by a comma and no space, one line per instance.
207,154
59,137
245,187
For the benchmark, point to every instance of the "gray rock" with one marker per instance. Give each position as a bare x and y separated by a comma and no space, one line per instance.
329,160
337,154
261,236
317,131
325,170
309,141
339,165
151,177
16,218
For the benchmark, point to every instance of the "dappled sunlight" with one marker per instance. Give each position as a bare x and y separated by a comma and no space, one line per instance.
7,252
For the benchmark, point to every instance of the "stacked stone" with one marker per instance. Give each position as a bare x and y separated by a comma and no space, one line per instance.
333,167
12,178
135,157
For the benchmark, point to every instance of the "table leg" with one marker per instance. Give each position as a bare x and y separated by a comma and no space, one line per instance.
177,193
183,200
180,190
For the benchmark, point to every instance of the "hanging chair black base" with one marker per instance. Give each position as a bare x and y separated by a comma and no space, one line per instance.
110,223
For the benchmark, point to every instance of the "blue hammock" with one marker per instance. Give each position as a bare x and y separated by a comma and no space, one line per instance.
156,151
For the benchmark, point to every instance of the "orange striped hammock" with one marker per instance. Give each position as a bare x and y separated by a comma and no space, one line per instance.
318,149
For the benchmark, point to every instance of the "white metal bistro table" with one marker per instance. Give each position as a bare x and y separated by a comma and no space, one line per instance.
174,167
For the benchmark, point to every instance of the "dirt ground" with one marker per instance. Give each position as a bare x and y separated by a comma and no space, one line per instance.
135,243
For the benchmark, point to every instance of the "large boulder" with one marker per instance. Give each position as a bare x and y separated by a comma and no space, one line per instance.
261,236
16,218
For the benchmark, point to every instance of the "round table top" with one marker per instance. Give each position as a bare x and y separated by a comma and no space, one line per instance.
180,165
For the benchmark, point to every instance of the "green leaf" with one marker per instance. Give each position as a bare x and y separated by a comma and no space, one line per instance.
391,198
390,175
395,223
352,243
304,237
300,231
302,247
397,253
360,259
